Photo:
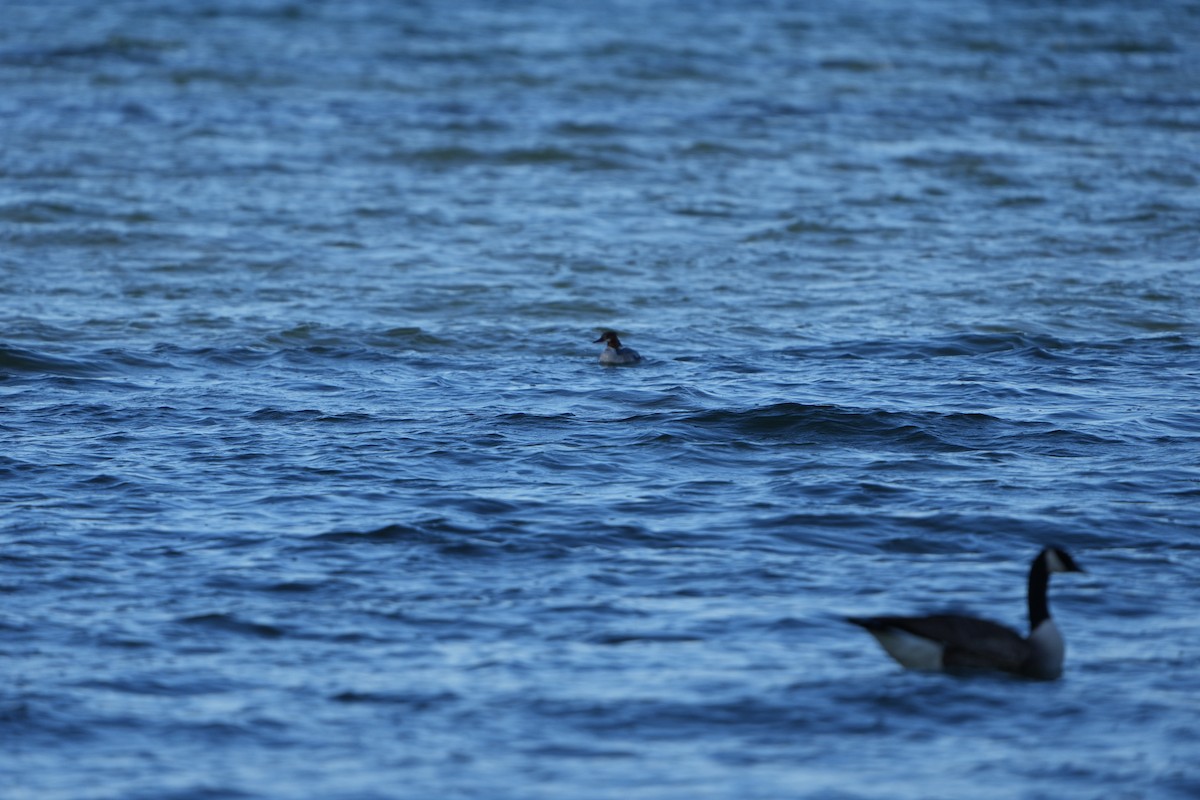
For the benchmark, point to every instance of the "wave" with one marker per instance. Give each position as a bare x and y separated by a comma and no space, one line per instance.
17,360
231,624
440,534
488,529
1035,346
116,368
454,157
967,343
920,430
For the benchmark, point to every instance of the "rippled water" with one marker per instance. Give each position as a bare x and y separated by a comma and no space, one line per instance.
314,487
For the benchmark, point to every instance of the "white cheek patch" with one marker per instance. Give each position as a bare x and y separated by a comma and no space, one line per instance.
1053,562
914,652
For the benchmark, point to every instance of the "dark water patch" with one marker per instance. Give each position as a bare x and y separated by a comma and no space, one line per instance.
546,156
598,535
1181,425
115,47
557,752
314,337
592,611
917,544
285,416
918,708
976,528
348,418
222,623
40,212
854,65
20,361
414,701
1022,201
105,481
588,129
487,529
650,719
607,158
203,791
408,338
471,619
791,421
833,232
235,356
40,720
266,578
937,432
1058,443
615,638
836,529
439,534
159,684
529,421
296,587
955,345
488,506
133,363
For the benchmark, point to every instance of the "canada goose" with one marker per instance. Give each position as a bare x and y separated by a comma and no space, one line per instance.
956,642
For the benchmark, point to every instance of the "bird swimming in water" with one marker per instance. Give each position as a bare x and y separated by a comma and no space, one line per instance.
615,354
953,642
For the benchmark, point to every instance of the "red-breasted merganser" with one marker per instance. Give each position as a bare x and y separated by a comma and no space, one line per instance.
615,354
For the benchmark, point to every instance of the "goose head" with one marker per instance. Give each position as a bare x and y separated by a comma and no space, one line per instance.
1058,560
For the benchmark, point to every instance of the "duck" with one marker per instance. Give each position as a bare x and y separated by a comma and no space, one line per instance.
958,643
615,354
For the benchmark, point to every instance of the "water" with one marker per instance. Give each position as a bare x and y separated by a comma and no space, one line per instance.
314,488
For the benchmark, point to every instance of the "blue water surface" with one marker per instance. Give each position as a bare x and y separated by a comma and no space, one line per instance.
314,488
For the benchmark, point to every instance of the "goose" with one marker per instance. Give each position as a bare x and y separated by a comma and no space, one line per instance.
953,642
615,354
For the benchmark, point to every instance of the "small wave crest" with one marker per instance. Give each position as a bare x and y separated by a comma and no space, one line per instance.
921,430
968,343
19,361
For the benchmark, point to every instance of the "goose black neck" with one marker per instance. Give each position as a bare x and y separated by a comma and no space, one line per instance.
1039,579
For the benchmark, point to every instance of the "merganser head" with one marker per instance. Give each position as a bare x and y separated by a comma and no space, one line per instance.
610,338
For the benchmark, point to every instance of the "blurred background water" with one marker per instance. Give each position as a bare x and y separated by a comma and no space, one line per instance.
313,486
